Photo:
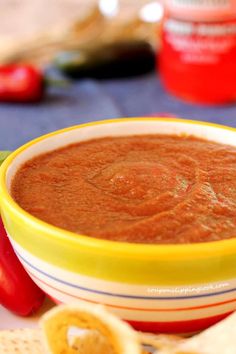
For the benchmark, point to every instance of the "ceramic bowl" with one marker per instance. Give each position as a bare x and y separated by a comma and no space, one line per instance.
158,288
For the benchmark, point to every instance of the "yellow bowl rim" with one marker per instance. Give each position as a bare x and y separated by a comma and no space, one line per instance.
168,252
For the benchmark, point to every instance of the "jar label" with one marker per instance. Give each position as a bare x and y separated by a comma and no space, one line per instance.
201,10
200,43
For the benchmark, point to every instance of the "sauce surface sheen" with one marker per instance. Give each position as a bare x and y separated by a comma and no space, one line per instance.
155,189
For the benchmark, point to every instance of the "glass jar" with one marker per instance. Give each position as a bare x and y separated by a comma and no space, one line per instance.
198,50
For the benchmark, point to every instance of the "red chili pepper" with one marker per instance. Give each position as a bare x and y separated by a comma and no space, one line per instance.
21,83
18,293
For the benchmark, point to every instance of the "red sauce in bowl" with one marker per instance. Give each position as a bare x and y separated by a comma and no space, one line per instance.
155,189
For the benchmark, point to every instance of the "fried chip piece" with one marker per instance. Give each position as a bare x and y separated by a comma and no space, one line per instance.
160,341
86,342
21,341
218,339
107,333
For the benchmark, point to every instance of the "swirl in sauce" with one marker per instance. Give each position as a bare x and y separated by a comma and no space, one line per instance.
143,189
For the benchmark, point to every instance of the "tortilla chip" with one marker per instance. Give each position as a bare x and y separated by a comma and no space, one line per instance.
104,333
91,329
218,339
21,341
160,341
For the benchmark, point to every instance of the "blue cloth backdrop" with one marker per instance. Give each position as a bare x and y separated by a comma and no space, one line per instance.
90,100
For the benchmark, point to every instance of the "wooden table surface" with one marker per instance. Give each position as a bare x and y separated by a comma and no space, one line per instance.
30,23
25,17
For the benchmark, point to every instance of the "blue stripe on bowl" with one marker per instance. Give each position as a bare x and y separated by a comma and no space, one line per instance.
121,295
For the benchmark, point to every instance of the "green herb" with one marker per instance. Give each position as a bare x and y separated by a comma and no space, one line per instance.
3,155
